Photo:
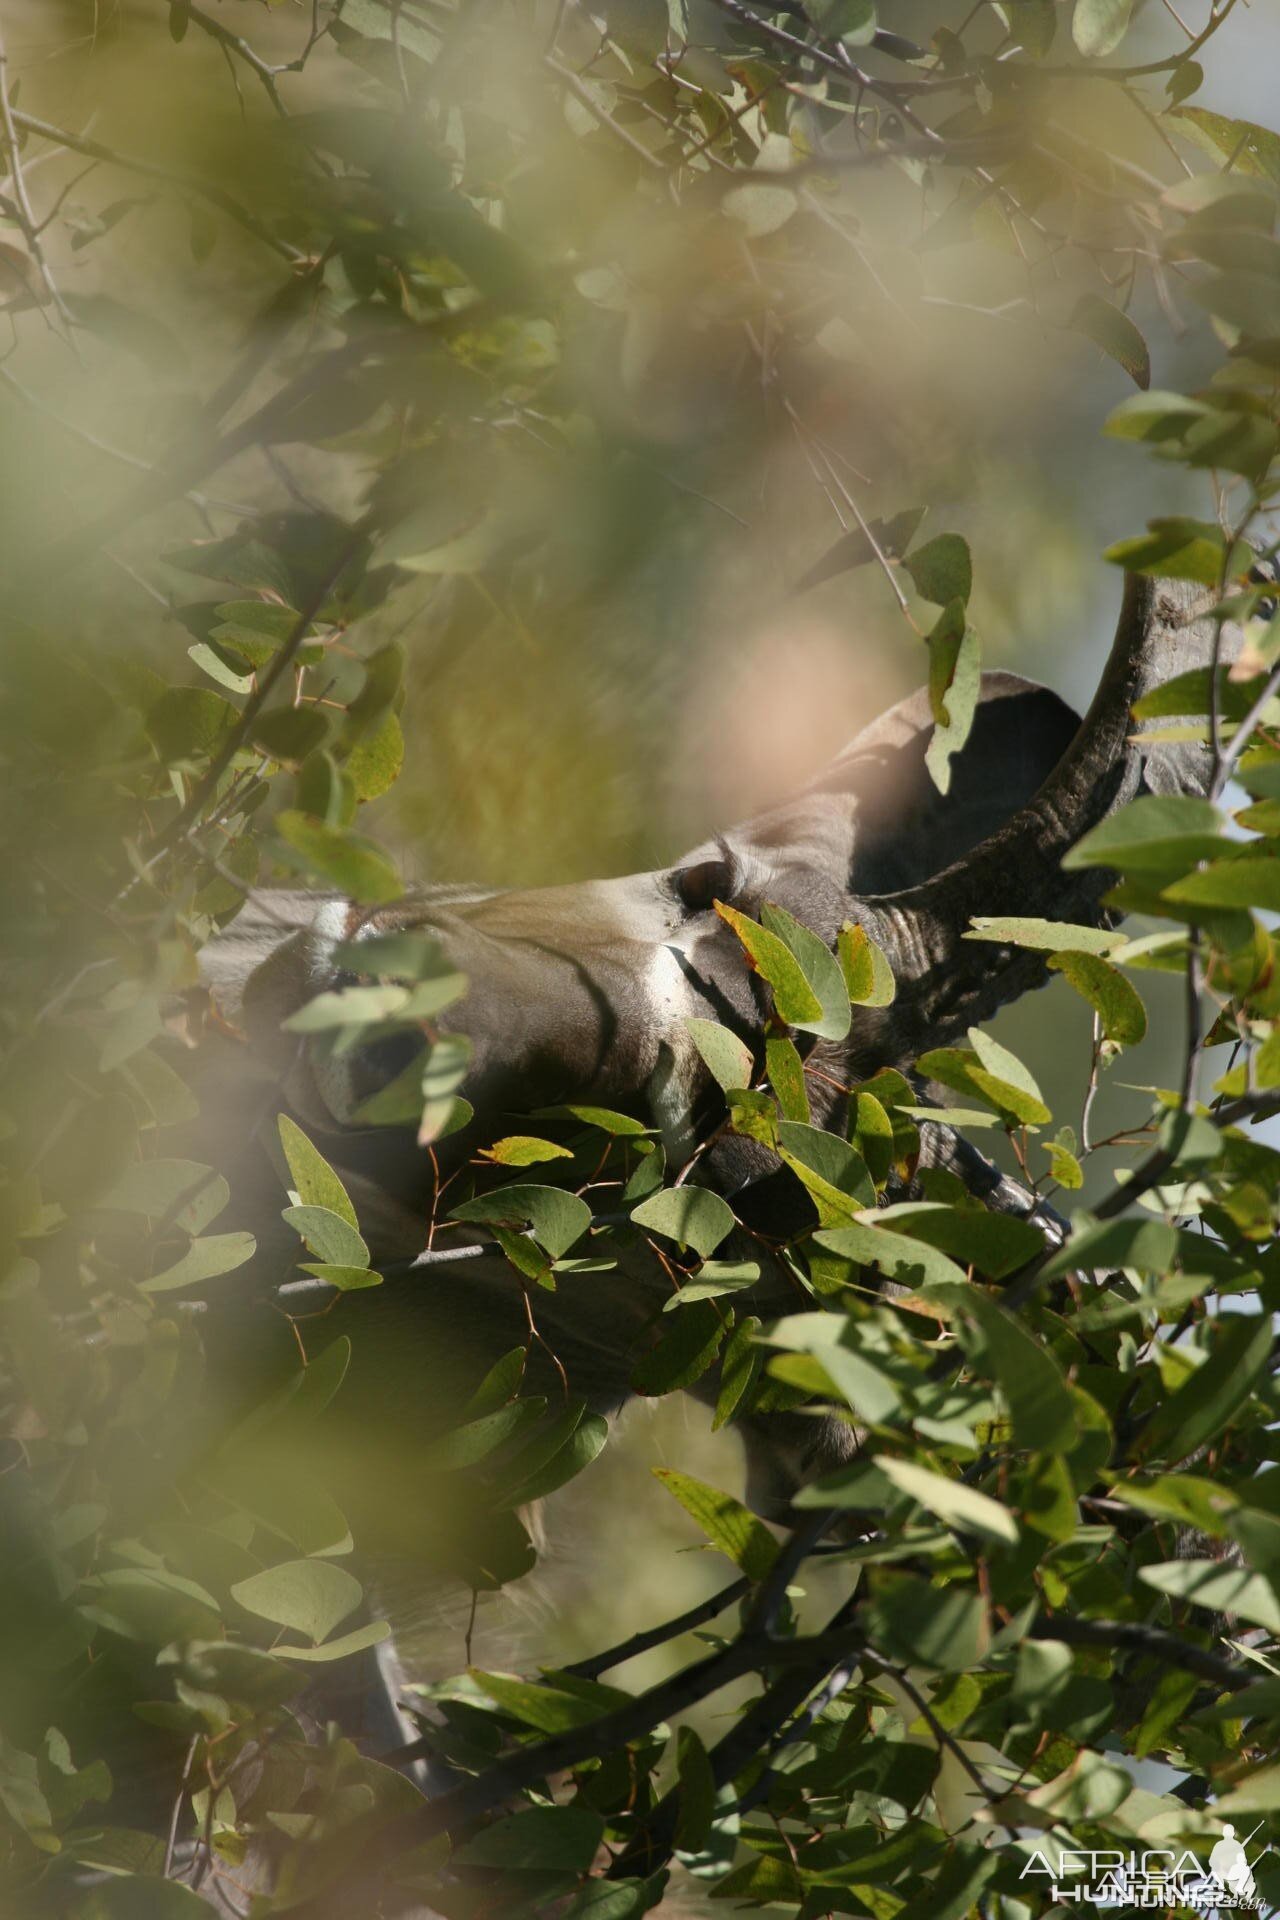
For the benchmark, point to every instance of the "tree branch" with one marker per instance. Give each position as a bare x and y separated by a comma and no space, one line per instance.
22,200
148,170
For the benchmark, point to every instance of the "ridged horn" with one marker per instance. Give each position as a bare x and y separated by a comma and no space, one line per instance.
947,983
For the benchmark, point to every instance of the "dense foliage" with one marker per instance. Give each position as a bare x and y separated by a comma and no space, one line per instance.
461,226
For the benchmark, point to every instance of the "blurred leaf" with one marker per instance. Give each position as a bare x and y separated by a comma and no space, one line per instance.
1239,882
1154,832
1098,26
141,1897
309,1596
854,549
541,1839
187,723
1206,1583
760,209
352,864
933,1626
204,1259
1220,1385
1096,318
951,1500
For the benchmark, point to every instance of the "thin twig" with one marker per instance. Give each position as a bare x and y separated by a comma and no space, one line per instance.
22,199
148,170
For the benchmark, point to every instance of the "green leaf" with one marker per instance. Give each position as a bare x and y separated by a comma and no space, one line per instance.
204,1259
727,1058
693,1216
1174,549
181,1193
911,1263
1251,149
785,1070
1106,325
345,1279
832,1340
942,569
1046,936
1206,1583
1028,1375
685,1351
855,549
934,1627
1114,999
357,1641
725,1521
715,1278
853,21
951,1500
549,1708
821,970
539,1840
557,1218
1240,882
1158,416
290,733
868,977
523,1150
1098,26
997,1244
1205,1404
773,960
964,1070
188,723
1157,831
622,1125
955,681
586,1442
760,208
697,1792
374,763
354,865
150,1605
141,1896
738,1370
410,954
475,1440
835,1177
314,1179
329,1235
309,1596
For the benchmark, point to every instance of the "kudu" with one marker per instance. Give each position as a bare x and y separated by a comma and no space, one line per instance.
581,993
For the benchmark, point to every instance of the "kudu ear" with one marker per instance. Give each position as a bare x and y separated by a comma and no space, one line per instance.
905,830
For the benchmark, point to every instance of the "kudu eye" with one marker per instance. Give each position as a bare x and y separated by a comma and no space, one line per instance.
699,887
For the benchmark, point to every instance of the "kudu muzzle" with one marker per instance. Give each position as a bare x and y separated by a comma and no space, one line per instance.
582,993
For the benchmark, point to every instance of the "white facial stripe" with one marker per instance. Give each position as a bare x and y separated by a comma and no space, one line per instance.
671,1084
333,1078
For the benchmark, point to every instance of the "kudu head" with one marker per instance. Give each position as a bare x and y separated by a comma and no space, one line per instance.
581,993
